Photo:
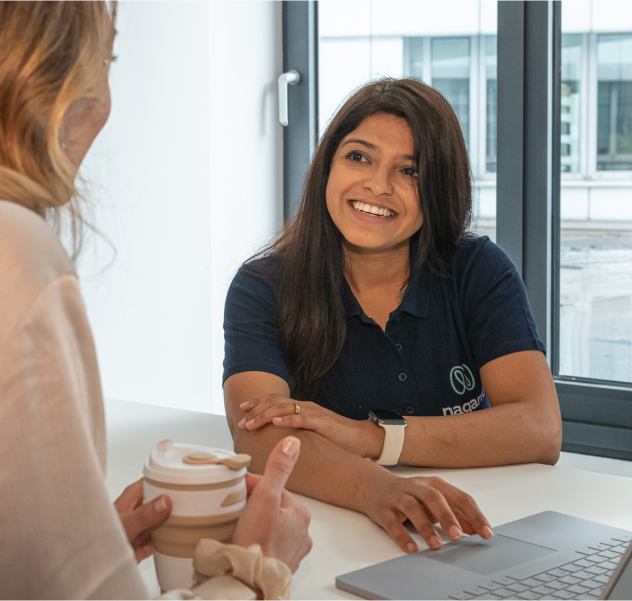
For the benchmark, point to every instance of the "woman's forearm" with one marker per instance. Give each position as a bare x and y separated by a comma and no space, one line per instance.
501,435
523,425
329,473
324,471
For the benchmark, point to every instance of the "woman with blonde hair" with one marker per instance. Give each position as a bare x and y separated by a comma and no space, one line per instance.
61,537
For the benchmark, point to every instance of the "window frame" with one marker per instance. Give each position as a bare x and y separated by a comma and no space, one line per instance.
300,136
597,415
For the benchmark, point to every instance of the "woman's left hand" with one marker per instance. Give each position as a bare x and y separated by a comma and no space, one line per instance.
140,519
360,437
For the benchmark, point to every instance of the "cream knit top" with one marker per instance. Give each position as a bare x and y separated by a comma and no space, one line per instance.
60,537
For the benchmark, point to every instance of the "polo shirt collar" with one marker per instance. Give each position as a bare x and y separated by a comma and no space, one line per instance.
349,301
416,297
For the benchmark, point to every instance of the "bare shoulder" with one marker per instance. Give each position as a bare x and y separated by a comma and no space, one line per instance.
31,258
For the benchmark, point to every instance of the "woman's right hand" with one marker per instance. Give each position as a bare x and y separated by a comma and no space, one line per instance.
424,501
273,518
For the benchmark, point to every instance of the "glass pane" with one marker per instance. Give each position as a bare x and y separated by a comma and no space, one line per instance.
596,197
491,78
570,110
596,304
614,102
450,71
361,40
413,58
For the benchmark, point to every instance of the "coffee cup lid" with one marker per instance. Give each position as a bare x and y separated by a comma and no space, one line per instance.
174,463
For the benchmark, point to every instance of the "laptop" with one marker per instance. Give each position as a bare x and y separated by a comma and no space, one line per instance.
548,555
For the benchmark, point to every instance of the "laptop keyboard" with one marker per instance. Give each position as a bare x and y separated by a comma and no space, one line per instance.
584,578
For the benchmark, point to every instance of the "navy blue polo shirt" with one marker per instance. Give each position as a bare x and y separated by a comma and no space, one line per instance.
426,362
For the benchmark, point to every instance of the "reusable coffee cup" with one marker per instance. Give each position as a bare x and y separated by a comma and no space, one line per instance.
207,487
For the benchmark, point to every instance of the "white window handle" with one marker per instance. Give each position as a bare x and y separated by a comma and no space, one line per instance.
290,78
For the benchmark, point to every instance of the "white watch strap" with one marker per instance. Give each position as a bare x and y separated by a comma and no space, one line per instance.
393,444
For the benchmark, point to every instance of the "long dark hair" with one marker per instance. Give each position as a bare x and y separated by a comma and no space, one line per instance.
311,261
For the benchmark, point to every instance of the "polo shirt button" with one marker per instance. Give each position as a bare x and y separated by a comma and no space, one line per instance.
398,347
402,377
410,410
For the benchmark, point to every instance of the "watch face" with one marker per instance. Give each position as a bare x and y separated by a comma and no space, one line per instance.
387,415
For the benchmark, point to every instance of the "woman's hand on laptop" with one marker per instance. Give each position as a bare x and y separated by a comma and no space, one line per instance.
424,501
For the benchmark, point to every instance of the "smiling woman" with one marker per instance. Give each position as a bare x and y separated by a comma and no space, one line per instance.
376,304
372,191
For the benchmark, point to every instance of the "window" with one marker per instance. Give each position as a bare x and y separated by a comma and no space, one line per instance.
491,87
614,102
458,58
450,72
570,103
595,327
469,85
594,354
565,210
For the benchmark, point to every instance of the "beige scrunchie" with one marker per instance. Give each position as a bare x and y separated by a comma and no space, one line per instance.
271,576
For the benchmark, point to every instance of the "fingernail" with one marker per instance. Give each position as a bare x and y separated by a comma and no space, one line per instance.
248,424
454,532
435,542
277,420
487,532
245,404
291,446
411,548
161,504
241,423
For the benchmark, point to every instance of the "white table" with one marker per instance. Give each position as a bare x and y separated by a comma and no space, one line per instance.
345,540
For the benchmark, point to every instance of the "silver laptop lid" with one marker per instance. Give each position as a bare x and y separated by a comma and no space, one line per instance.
620,584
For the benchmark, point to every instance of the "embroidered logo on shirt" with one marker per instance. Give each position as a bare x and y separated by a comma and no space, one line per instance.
466,407
461,379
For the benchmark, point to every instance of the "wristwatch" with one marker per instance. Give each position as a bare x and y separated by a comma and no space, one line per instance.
393,424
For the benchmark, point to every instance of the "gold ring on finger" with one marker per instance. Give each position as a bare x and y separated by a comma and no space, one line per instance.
297,409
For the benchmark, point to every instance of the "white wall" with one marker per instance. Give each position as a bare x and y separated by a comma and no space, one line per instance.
186,183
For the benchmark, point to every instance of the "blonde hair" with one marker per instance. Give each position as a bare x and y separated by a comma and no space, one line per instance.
50,55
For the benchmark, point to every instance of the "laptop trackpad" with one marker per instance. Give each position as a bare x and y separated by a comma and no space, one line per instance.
488,556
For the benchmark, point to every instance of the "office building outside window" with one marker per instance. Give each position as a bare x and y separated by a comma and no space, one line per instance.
491,87
596,218
370,39
614,102
365,40
450,72
571,97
